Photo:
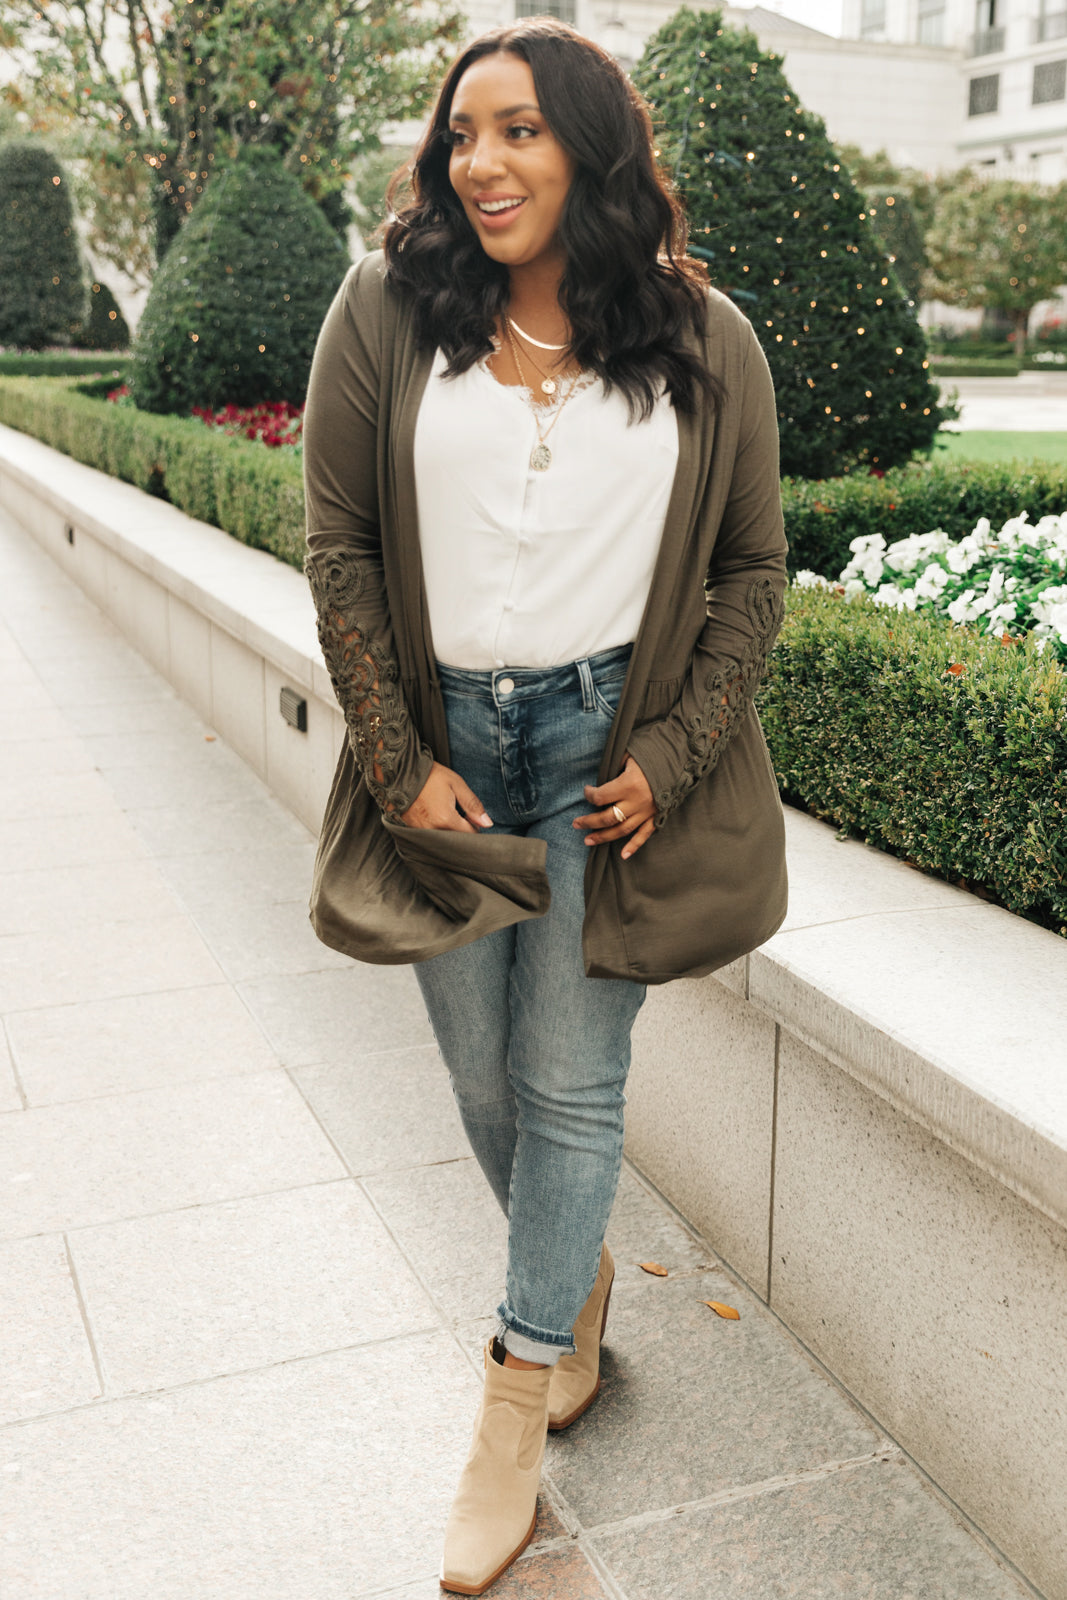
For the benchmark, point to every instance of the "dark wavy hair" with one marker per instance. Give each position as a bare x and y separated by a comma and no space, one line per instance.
628,289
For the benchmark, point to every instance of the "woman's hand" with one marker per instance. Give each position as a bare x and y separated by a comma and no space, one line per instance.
445,801
631,793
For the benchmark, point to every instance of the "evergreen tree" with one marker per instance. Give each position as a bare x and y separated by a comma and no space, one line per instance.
42,291
238,301
784,233
105,327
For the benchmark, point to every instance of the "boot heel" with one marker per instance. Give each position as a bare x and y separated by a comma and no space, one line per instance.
607,1302
575,1381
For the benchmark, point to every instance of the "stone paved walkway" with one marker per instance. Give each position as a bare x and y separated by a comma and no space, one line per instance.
1031,402
247,1262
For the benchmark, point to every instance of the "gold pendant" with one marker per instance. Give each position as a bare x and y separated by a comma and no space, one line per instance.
548,385
541,459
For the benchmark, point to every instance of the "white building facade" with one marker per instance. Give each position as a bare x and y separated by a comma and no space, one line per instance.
938,84
1010,70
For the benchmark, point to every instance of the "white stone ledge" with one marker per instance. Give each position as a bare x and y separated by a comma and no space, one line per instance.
257,599
951,1009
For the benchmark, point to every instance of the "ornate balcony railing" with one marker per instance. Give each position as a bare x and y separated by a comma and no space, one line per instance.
986,42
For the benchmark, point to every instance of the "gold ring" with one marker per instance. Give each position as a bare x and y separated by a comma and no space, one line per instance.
619,813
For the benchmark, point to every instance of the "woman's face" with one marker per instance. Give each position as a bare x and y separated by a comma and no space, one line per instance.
507,166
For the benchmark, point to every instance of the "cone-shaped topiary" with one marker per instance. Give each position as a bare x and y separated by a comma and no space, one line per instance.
784,233
42,289
239,297
105,327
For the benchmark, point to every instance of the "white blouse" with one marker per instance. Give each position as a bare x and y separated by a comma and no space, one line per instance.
535,569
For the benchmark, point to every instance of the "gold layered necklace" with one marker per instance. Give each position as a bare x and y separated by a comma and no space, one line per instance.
548,384
541,455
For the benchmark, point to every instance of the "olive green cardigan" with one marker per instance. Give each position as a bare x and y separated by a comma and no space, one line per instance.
710,884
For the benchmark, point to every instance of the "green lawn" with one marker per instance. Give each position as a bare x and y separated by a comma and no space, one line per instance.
981,445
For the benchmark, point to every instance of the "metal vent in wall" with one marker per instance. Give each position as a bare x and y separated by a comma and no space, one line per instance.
294,709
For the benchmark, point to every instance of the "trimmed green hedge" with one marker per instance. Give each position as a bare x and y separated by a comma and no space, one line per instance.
254,493
963,773
822,516
62,364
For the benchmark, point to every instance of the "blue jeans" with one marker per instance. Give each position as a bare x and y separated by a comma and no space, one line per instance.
537,1052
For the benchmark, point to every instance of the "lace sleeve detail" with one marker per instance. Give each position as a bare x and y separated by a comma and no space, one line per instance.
366,680
727,697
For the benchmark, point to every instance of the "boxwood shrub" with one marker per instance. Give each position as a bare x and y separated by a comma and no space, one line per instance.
822,516
934,743
236,306
253,493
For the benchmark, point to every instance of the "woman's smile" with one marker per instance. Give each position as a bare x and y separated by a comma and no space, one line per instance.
498,211
507,166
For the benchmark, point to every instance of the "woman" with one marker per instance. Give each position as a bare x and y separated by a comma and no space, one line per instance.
546,551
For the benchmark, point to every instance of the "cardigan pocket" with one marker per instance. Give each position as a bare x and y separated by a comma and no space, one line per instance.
470,875
389,894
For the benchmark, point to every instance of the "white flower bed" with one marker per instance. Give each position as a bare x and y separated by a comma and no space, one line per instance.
1011,581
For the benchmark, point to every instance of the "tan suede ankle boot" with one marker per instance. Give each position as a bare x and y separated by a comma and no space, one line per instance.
576,1379
495,1509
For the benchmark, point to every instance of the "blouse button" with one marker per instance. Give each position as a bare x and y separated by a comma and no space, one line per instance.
506,685
509,605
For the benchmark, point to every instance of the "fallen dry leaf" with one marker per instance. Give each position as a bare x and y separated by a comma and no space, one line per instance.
654,1267
723,1311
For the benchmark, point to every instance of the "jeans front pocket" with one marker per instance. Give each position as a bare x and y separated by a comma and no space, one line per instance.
607,694
607,672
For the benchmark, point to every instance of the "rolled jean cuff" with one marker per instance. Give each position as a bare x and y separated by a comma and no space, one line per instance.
519,1339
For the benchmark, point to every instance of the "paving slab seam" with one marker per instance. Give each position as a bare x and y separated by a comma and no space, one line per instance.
128,1395
86,1323
890,911
5,1037
176,1209
120,1094
608,1581
774,1153
578,1540
134,994
395,1588
444,1321
887,1451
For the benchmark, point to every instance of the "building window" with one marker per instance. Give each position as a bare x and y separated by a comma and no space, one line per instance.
563,9
872,17
931,22
984,95
1050,82
1052,23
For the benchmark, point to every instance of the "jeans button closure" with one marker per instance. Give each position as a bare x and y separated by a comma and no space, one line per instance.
505,685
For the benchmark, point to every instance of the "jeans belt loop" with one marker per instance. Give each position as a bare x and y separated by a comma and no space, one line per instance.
585,676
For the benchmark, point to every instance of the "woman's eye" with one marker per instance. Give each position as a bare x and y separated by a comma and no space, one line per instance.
455,138
519,128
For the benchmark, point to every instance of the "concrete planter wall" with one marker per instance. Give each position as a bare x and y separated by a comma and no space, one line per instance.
867,1118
